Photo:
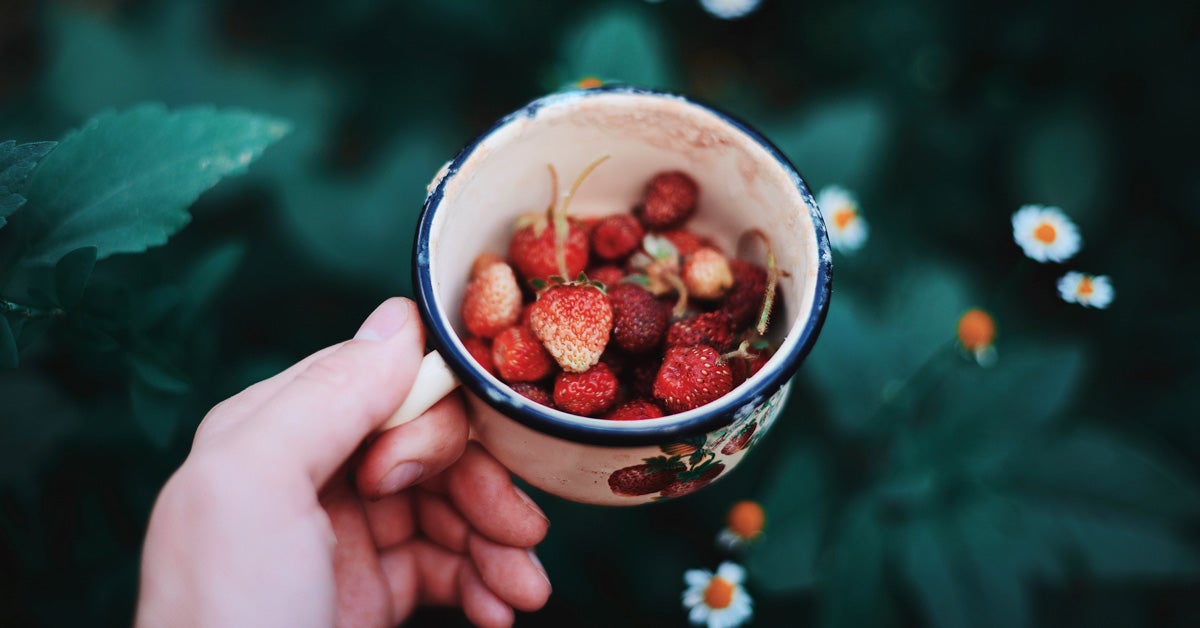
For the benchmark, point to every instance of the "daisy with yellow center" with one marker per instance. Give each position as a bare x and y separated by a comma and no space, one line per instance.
743,524
589,82
1086,290
976,333
717,600
1045,233
847,229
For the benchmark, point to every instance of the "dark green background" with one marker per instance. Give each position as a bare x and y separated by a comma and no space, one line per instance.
1056,489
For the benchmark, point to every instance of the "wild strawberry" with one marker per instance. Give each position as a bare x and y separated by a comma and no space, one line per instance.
607,274
574,322
739,442
642,479
691,377
744,367
589,393
642,376
686,242
553,244
714,329
635,410
670,199
482,261
481,350
492,301
745,299
533,392
706,274
693,480
520,357
639,319
616,236
533,251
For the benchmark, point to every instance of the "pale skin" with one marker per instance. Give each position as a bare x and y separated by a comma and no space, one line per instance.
280,516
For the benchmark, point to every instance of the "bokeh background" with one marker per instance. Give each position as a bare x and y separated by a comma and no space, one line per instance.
904,485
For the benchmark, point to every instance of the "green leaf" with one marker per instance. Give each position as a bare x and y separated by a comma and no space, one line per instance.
621,42
16,164
1065,159
935,574
853,591
8,345
785,559
159,375
72,273
839,142
1096,469
207,278
155,411
124,182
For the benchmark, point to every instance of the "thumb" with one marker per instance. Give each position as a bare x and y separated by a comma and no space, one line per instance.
319,418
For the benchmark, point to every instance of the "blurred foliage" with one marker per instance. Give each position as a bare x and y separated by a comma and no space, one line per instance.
904,485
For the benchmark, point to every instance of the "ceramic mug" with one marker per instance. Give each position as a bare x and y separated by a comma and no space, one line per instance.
745,183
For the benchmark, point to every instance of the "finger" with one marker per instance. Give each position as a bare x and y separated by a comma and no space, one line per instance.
483,492
319,418
440,522
514,574
481,606
420,572
422,448
245,403
392,520
361,593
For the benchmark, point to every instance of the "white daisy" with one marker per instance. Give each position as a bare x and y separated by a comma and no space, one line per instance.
1086,290
743,524
729,9
1045,233
717,600
847,229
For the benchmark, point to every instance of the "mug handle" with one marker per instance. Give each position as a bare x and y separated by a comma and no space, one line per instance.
434,380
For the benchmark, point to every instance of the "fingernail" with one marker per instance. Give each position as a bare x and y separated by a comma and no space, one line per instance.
537,563
529,503
385,321
401,476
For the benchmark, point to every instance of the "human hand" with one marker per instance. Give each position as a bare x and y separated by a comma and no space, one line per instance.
265,525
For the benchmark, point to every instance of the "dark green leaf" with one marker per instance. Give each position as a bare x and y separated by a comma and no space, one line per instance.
155,164
853,590
935,573
155,410
8,345
621,42
1098,470
209,276
16,163
159,375
840,142
784,560
72,273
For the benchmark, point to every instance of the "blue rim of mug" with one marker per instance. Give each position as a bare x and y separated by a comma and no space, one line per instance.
598,431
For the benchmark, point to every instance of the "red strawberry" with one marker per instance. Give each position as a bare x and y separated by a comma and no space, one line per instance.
519,356
693,480
670,199
608,275
745,368
532,250
492,301
706,274
635,410
642,377
686,242
739,442
639,319
642,479
745,299
589,393
481,350
574,322
714,329
691,377
616,236
533,392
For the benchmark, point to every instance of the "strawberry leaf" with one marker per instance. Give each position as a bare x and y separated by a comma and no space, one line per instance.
538,284
155,163
17,162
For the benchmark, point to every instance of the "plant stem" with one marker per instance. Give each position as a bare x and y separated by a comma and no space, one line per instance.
8,307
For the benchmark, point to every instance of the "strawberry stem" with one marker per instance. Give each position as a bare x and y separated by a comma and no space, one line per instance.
681,302
743,352
764,314
559,218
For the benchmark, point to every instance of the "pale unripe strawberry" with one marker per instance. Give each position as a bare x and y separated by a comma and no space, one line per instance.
492,301
706,274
